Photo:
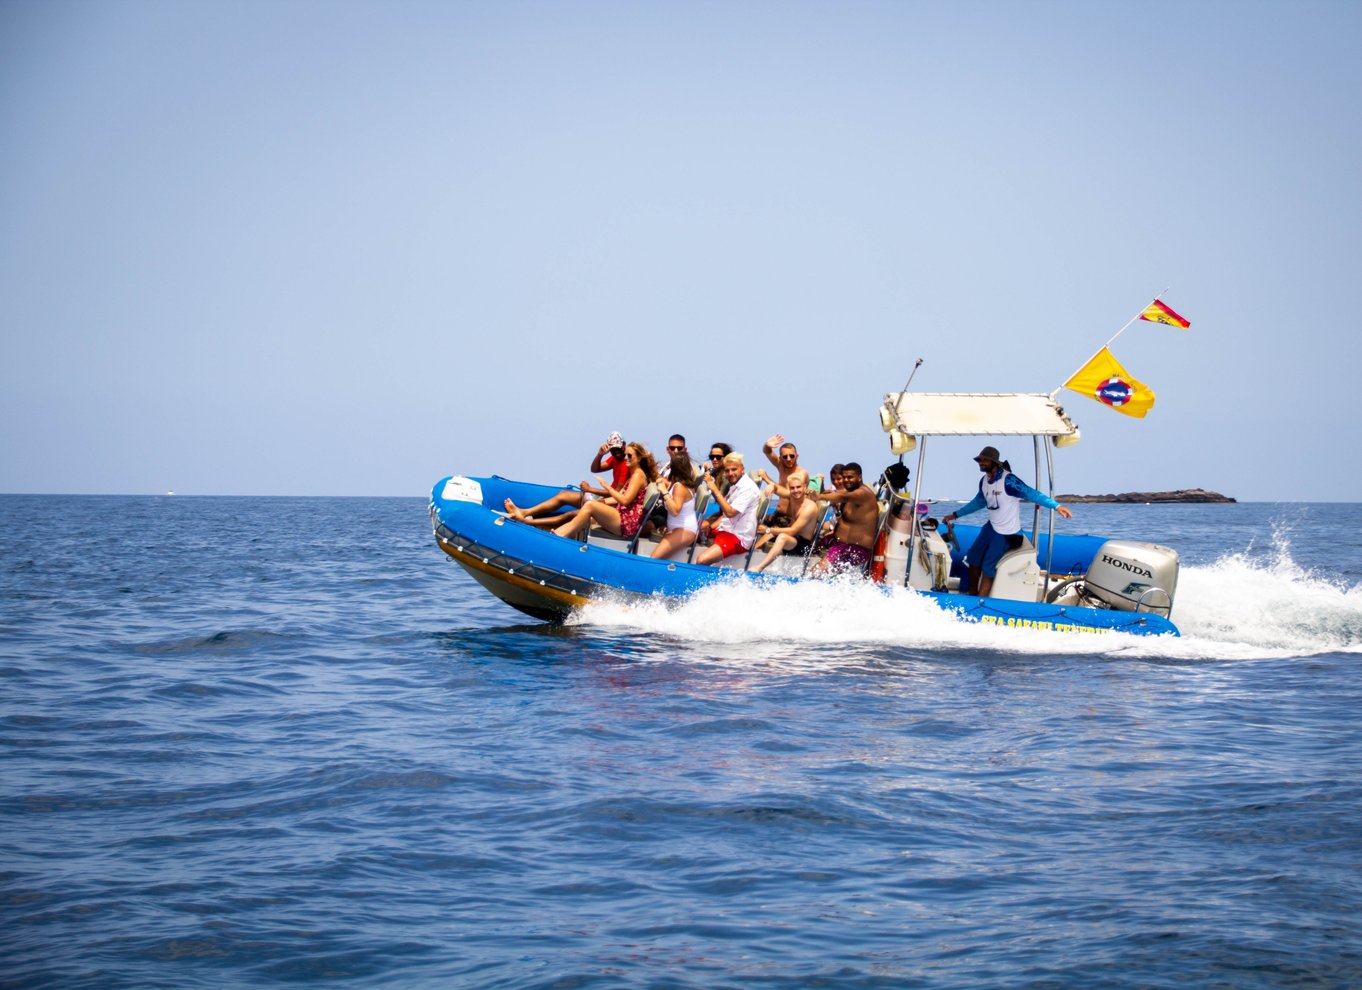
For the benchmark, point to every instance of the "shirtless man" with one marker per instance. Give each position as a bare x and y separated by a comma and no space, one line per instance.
609,455
785,463
797,537
849,548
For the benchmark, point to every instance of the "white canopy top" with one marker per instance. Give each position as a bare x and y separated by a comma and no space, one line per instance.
980,414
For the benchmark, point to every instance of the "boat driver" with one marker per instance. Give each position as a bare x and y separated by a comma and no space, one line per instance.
1002,493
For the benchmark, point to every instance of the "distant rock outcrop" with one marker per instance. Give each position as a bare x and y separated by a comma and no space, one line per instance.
1183,495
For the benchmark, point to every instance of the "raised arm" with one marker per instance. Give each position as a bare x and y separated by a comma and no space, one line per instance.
770,447
598,462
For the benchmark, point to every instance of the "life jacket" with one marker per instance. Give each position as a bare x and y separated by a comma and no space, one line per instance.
1004,510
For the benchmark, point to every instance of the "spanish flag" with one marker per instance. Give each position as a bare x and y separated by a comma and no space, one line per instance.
1159,313
1104,380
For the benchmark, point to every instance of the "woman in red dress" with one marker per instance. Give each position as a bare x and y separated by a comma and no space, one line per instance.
625,516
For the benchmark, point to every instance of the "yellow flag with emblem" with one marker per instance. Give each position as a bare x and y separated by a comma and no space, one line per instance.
1103,380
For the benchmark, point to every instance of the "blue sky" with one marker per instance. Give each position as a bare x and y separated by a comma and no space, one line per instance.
349,248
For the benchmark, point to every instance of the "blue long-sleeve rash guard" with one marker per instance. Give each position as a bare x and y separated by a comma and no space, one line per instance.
1015,487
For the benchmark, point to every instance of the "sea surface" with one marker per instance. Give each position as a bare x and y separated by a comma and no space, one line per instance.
271,742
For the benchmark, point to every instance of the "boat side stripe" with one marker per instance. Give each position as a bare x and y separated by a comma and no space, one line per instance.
521,574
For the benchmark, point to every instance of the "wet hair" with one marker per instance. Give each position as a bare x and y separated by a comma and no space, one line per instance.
682,471
644,460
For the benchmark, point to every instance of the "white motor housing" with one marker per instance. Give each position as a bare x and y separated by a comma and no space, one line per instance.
1134,577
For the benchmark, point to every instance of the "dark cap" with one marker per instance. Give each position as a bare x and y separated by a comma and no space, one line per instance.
990,454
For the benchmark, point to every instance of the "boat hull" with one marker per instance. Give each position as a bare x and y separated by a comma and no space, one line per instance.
547,576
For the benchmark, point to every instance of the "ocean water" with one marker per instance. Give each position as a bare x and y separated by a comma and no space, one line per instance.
277,742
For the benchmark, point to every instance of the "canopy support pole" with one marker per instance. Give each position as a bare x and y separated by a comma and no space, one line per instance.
1035,509
1050,537
912,530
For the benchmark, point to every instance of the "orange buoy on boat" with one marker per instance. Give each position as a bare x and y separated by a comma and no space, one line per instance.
877,559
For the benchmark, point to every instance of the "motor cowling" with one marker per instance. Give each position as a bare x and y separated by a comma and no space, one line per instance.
1134,577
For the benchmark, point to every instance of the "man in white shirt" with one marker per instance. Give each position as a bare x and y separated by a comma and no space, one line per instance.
737,528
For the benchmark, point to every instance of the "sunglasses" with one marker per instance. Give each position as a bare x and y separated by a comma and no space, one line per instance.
789,457
716,457
676,450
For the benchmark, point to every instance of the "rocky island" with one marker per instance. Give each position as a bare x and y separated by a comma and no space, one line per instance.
1183,495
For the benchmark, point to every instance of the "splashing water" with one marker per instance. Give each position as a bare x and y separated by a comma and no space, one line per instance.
1273,604
1237,608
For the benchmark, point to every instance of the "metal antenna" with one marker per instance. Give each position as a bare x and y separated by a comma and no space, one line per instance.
893,407
911,374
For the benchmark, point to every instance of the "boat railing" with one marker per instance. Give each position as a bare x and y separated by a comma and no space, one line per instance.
702,497
823,518
766,502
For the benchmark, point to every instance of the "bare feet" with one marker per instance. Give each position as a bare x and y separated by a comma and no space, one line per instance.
514,512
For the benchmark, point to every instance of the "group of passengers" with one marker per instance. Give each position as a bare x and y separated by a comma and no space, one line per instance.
618,505
846,541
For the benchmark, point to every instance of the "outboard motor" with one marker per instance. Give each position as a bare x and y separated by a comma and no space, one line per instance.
1133,577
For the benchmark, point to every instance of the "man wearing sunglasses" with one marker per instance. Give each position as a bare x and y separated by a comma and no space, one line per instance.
676,444
786,463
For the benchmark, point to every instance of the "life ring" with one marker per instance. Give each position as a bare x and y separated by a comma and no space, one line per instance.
877,559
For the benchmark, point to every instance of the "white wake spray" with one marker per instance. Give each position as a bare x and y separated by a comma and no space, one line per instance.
1236,608
1273,604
